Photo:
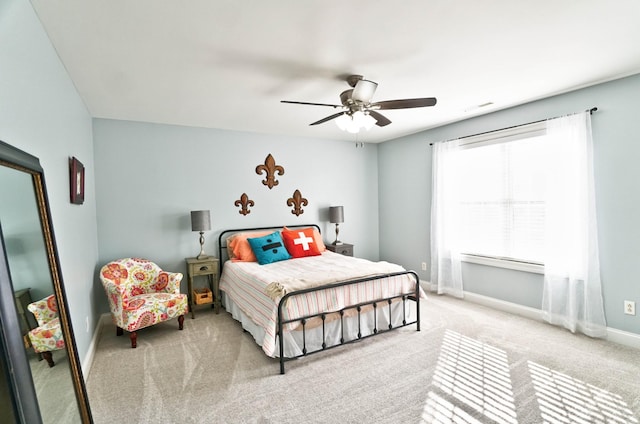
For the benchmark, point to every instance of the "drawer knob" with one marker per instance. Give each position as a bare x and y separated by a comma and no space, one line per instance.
204,268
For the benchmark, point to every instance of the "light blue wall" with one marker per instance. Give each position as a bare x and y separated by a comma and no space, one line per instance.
150,176
42,114
405,196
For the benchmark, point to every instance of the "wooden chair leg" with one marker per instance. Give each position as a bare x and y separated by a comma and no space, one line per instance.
134,339
49,358
181,322
119,331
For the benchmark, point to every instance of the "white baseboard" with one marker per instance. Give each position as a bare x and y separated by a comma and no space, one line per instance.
502,305
427,286
613,335
88,359
623,337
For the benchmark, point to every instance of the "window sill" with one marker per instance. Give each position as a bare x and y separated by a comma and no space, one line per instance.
503,263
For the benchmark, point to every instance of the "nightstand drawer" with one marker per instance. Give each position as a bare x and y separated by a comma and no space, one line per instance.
343,249
205,269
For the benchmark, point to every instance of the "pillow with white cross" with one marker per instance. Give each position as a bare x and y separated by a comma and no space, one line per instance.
300,243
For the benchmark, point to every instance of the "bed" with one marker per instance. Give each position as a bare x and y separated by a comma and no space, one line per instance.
314,301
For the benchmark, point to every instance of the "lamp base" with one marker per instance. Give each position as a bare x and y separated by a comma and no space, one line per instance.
337,242
202,255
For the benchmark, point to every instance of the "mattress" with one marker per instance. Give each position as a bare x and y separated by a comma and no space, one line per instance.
245,287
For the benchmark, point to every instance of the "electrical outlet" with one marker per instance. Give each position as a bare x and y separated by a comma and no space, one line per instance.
629,307
424,266
87,323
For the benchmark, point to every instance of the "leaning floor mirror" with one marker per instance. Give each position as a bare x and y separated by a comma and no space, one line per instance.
40,375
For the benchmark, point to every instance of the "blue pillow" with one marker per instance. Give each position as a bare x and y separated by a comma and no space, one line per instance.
269,248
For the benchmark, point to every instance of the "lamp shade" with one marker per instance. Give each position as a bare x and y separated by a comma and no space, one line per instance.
200,221
336,214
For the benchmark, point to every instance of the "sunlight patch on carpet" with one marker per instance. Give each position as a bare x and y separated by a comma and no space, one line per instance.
440,411
563,399
477,375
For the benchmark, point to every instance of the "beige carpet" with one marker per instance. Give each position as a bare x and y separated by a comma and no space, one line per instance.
469,364
54,388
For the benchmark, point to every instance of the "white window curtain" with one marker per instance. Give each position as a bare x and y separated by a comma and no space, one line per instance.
572,295
446,270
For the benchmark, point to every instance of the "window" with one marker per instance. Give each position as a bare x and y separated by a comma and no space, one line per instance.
523,196
502,195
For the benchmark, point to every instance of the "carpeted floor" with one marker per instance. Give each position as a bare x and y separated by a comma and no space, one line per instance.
54,388
469,364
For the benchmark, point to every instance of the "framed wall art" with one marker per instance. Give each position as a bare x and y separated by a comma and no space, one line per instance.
76,177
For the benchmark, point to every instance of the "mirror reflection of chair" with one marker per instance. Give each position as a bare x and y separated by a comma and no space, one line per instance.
141,294
47,337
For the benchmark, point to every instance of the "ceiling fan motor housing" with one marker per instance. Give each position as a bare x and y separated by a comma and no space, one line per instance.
352,80
345,98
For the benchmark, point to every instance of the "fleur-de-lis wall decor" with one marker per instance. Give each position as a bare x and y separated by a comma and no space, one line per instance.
244,202
270,169
297,201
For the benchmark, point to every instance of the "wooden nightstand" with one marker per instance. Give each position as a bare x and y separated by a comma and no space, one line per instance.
203,267
344,248
27,320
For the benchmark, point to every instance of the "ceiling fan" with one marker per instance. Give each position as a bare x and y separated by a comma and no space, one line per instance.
357,110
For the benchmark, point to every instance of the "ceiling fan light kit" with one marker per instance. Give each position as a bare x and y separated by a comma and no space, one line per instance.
357,110
354,122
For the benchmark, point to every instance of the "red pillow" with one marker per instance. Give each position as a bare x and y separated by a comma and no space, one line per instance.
318,238
300,243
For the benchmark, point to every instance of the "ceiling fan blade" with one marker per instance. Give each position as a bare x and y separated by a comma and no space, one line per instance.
311,104
406,103
328,118
381,120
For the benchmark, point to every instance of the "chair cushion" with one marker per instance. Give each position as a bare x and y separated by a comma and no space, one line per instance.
47,337
151,308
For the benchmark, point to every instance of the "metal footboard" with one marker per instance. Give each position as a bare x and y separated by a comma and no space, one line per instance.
414,296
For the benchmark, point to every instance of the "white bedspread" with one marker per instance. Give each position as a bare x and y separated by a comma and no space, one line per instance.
324,270
246,284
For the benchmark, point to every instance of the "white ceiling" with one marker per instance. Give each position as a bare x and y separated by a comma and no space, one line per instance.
228,63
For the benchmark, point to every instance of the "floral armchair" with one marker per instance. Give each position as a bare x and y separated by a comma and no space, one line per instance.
47,337
141,294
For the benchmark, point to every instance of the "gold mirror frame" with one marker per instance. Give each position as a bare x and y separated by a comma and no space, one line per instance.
21,383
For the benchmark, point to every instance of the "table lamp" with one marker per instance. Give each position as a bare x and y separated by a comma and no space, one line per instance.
336,216
201,221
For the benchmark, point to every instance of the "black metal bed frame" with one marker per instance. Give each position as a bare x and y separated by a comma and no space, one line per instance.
414,296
